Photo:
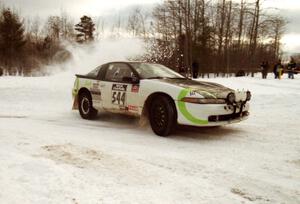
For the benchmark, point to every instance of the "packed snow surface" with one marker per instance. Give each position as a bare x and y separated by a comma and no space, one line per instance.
49,154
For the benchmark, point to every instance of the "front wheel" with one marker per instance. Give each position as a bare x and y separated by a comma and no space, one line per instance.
86,109
162,115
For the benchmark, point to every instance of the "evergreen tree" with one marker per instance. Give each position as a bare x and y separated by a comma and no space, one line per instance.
85,29
11,38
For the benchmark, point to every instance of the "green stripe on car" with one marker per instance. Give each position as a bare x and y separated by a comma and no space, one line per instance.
183,109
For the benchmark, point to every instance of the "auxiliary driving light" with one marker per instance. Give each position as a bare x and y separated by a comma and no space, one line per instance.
231,97
248,95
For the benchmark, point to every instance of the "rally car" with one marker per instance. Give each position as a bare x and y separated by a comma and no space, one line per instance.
153,91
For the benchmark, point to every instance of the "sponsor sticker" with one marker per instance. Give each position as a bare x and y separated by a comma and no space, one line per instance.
95,90
133,108
119,87
135,88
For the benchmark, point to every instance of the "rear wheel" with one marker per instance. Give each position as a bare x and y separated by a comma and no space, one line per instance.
86,109
162,115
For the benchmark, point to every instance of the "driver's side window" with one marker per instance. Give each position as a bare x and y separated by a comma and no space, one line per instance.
117,71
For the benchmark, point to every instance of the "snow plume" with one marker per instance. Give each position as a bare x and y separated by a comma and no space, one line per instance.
84,58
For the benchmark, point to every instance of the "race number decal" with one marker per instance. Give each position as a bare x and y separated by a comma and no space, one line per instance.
119,94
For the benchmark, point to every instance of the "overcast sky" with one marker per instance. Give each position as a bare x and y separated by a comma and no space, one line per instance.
288,8
74,7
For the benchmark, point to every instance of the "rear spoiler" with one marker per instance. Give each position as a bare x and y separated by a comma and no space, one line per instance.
85,76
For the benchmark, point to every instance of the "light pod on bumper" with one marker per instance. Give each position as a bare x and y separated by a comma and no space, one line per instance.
231,98
249,95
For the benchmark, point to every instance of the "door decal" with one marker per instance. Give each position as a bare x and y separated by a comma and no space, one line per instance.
118,94
95,91
135,88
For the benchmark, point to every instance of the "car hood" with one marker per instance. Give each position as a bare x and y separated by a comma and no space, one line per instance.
206,89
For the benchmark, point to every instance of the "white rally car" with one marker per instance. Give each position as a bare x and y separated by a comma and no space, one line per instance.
158,93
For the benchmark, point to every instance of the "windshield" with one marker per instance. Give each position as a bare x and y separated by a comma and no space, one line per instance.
152,71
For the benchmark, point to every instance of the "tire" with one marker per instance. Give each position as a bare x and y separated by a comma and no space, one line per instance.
86,109
162,115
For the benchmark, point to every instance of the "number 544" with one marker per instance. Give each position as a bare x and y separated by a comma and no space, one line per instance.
118,97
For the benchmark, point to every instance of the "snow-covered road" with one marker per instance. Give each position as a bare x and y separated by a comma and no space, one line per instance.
48,154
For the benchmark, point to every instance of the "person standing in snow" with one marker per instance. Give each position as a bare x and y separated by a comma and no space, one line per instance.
264,69
1,71
195,69
291,68
278,70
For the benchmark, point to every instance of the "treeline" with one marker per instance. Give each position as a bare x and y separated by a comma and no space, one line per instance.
221,36
26,46
24,50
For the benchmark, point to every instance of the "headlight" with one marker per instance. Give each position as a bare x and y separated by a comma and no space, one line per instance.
231,97
248,95
203,100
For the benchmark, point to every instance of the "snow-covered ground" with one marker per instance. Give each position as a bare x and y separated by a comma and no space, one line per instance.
48,154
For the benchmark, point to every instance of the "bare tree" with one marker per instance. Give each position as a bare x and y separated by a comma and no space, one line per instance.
99,25
66,26
278,24
224,35
53,27
241,22
228,35
137,23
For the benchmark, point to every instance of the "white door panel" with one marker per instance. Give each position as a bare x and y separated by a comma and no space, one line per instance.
120,95
106,94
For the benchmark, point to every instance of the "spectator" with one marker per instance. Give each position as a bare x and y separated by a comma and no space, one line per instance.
195,69
278,70
1,71
264,69
291,68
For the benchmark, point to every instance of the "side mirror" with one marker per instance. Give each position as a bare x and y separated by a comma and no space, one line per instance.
133,80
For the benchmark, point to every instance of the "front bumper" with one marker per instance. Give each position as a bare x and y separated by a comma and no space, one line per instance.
206,115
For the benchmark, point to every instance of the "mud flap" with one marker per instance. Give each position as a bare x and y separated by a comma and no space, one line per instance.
143,122
75,103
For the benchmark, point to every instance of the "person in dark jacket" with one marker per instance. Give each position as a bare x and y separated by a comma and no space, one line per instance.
264,69
195,69
277,69
1,71
291,68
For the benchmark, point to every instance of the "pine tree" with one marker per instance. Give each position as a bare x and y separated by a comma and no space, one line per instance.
85,30
11,38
